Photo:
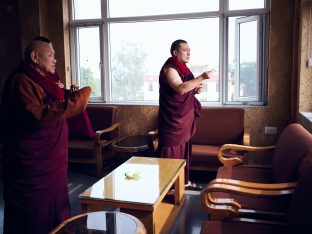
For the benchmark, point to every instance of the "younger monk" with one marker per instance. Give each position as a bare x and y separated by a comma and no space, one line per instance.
178,106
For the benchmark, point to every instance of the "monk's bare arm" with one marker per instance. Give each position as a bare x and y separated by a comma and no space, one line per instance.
175,82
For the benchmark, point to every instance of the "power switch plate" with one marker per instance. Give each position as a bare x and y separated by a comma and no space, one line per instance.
309,63
270,130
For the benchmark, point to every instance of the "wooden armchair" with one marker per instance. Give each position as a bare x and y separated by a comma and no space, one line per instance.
293,147
225,208
296,218
97,149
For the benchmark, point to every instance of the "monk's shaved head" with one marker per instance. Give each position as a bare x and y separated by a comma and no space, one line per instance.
40,54
36,46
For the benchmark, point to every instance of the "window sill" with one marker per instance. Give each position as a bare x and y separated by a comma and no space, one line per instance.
307,118
307,115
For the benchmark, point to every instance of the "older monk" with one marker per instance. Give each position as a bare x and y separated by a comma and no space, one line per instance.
35,109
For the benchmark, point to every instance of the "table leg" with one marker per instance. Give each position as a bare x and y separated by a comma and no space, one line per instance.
179,188
86,208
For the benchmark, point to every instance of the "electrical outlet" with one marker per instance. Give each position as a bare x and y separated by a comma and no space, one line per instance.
270,130
309,63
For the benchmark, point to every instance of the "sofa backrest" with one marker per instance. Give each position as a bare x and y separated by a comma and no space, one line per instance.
101,116
218,126
294,143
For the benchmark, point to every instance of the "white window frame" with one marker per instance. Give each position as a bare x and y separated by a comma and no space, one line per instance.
223,15
260,56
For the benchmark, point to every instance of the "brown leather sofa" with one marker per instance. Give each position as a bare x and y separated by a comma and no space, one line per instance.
96,149
241,191
215,127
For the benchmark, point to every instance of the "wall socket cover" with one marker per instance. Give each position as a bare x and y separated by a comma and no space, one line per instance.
270,130
310,62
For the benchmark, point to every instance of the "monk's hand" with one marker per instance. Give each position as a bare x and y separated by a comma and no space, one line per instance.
60,84
199,88
208,74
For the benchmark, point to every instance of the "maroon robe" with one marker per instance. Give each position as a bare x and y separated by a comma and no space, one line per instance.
176,118
35,155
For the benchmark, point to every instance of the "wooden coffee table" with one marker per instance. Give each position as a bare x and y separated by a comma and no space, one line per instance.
144,194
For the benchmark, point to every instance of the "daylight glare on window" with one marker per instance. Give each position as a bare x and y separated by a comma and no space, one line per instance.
126,8
245,4
119,46
87,9
89,59
248,59
137,58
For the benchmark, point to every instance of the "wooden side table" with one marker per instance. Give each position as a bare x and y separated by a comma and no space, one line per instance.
108,222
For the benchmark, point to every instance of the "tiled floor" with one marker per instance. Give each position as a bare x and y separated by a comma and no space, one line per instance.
188,221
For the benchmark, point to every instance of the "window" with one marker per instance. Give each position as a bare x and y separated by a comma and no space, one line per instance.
119,51
89,60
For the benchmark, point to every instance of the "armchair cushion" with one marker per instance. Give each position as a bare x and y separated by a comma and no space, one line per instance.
250,174
225,227
101,117
81,148
294,143
205,154
215,127
218,126
301,203
79,126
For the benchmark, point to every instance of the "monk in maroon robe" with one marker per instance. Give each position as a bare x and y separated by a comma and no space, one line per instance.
34,164
178,105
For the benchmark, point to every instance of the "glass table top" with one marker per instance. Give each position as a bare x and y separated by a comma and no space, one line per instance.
138,180
132,143
101,222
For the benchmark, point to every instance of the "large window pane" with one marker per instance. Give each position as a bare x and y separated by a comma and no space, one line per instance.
87,9
231,73
126,8
245,4
135,48
89,59
138,51
248,59
243,53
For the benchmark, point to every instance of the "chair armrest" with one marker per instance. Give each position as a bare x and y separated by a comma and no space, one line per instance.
251,185
235,160
250,192
153,141
231,208
246,136
99,133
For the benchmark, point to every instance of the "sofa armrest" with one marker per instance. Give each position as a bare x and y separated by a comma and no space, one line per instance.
153,141
246,136
102,143
239,159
